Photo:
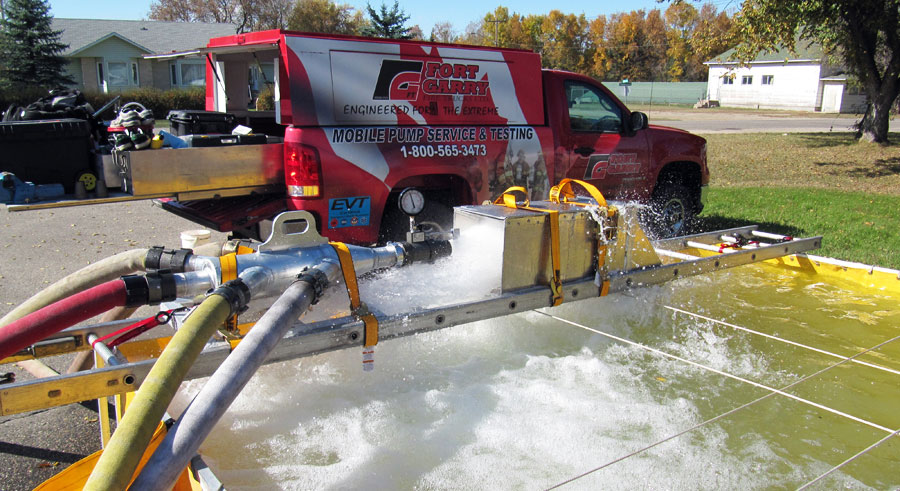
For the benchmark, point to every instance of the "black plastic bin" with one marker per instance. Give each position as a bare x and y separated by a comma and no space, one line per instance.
223,140
195,122
56,151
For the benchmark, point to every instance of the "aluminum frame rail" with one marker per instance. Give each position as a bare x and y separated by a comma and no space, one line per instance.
347,332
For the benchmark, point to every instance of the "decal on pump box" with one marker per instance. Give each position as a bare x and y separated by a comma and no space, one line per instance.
349,212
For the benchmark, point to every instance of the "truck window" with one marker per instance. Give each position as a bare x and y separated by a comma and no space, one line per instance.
592,110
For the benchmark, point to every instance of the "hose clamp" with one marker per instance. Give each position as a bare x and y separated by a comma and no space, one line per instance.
170,259
160,287
317,280
236,293
136,290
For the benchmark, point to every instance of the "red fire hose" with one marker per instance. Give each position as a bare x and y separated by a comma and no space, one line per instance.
55,317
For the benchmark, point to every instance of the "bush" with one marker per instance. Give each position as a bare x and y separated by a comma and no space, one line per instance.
158,101
265,101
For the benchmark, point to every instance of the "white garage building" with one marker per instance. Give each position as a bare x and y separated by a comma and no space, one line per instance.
801,81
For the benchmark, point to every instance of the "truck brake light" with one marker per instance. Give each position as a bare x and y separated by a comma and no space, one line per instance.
302,171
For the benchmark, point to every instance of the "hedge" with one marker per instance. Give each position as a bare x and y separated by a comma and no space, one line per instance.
158,101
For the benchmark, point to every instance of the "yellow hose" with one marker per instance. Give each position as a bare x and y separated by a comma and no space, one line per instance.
116,466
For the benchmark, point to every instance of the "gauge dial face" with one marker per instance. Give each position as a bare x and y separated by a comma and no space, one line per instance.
412,202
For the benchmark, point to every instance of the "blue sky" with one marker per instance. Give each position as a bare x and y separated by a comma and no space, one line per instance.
424,13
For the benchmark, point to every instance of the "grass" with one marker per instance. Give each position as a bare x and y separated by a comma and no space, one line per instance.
807,184
855,226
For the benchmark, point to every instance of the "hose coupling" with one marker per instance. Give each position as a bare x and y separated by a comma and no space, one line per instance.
236,293
317,280
174,260
152,288
426,251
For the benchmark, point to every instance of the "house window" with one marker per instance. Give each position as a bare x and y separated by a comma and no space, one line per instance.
118,73
193,74
135,80
768,79
727,80
188,73
747,80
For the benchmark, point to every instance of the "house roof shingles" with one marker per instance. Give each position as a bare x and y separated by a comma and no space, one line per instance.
803,51
155,36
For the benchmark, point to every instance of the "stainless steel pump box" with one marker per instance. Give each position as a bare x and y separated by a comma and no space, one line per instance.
526,241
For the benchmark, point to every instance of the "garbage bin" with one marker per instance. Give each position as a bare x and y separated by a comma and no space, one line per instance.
55,151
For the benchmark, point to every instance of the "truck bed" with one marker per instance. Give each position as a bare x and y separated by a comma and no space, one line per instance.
186,174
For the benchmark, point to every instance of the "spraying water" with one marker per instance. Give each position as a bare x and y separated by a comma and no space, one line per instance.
525,401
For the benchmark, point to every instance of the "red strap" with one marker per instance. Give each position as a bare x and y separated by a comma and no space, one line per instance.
136,329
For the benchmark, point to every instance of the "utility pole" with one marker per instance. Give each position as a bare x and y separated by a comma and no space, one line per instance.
496,23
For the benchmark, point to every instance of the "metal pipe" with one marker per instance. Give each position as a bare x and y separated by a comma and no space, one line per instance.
102,350
198,420
675,254
191,284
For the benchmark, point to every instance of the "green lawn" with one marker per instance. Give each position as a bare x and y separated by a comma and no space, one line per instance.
809,184
855,226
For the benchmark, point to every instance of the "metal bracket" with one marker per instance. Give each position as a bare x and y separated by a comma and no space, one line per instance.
292,229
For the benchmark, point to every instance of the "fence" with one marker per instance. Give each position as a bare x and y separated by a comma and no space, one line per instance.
658,92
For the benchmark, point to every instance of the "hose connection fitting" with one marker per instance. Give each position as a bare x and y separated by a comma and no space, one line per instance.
318,280
425,251
236,293
174,260
150,289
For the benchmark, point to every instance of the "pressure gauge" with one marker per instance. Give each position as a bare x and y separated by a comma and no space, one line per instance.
412,202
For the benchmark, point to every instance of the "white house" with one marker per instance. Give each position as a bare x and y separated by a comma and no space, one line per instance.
801,81
107,55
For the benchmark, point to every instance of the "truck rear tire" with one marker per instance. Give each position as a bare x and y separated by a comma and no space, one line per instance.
672,211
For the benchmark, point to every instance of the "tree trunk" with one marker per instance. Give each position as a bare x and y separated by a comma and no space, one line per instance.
876,122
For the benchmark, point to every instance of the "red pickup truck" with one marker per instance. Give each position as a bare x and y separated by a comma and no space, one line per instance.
368,118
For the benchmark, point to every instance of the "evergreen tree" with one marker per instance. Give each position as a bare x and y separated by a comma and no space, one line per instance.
387,23
29,47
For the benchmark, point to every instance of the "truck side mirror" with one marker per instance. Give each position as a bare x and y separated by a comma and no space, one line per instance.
639,121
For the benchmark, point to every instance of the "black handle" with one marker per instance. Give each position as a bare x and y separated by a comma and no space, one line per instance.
584,151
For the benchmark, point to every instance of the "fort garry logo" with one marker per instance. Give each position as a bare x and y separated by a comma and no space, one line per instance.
403,79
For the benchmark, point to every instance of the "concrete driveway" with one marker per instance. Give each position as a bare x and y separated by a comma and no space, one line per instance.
737,121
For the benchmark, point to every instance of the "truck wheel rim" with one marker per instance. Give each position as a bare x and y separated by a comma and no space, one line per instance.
672,217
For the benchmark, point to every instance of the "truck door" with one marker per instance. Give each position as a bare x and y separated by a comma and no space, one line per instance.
600,148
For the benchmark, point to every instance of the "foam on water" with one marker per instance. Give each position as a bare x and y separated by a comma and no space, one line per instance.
519,402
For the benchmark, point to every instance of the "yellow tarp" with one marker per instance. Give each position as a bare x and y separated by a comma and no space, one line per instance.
77,474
